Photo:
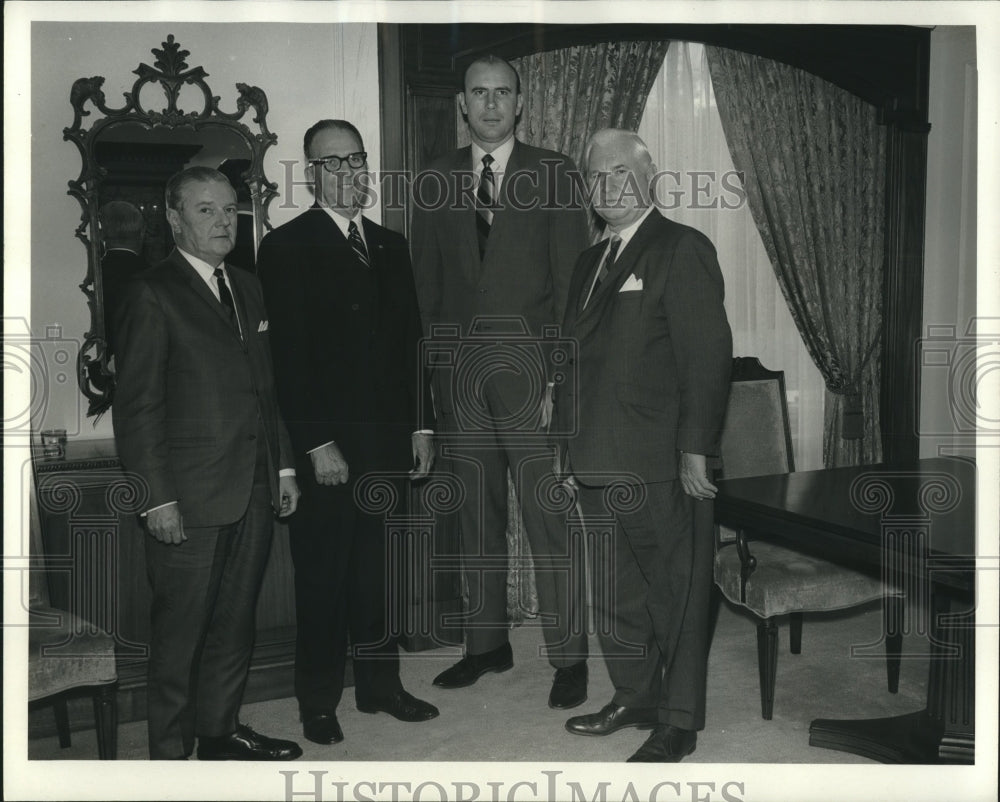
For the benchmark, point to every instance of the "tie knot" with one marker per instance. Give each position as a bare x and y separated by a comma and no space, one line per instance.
487,161
352,228
218,273
616,243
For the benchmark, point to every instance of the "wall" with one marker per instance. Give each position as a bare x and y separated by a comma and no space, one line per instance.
309,71
950,240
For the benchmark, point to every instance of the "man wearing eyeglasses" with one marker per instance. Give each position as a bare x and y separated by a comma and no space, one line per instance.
344,329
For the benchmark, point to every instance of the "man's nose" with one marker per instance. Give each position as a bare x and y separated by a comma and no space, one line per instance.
491,100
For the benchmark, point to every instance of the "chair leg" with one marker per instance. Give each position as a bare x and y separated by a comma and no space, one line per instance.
767,664
106,720
62,720
795,633
893,611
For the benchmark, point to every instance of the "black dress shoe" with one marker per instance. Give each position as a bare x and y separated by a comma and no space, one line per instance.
612,718
569,688
471,667
666,744
401,705
245,744
321,727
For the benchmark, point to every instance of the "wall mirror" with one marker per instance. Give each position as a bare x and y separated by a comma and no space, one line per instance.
129,152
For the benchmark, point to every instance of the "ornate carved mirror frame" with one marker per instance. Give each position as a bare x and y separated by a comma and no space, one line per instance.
171,72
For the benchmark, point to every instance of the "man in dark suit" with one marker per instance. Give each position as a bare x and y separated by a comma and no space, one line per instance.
196,417
345,329
123,230
493,258
646,307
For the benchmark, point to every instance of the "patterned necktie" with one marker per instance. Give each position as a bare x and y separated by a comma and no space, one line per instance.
226,297
485,203
357,244
609,260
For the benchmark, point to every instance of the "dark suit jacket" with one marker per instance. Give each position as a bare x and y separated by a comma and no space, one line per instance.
532,247
345,341
118,267
653,365
190,393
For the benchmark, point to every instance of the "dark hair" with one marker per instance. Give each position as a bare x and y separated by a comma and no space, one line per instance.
492,59
331,125
121,223
191,175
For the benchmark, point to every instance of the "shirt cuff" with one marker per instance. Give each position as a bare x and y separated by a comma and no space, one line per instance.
286,472
424,431
330,443
157,507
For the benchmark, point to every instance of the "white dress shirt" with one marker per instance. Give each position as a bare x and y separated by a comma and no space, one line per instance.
624,235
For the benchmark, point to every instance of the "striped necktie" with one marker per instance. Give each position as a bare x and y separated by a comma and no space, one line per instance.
485,203
602,273
357,244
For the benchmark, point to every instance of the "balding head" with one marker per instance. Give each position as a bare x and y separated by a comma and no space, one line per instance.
619,171
122,225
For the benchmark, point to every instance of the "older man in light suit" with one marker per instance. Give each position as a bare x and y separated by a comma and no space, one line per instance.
495,235
646,307
196,416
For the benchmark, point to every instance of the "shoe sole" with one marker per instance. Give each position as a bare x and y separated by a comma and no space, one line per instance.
373,710
637,726
484,672
568,707
231,756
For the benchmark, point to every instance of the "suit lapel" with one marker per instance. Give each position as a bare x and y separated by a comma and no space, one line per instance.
465,216
190,276
626,260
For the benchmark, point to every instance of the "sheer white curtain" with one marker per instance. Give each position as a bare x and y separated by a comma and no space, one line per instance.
681,125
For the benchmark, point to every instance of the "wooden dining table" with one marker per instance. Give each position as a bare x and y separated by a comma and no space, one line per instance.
915,526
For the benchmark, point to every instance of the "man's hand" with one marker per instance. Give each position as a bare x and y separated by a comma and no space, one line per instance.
423,455
329,465
288,490
166,524
545,409
693,470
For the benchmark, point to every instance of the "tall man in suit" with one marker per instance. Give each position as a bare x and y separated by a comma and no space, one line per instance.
493,259
646,307
123,231
196,417
345,328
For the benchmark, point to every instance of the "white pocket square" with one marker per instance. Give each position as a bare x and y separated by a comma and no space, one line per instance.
262,326
632,284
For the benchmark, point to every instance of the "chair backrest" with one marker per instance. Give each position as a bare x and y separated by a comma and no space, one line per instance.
756,437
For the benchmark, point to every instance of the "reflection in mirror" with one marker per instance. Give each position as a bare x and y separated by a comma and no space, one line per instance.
128,154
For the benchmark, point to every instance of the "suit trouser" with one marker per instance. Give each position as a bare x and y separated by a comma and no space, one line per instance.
342,590
652,575
203,623
481,466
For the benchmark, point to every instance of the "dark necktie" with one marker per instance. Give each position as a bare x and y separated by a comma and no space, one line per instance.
609,260
485,203
357,244
227,299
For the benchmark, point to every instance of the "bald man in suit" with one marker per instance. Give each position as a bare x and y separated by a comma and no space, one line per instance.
493,262
655,348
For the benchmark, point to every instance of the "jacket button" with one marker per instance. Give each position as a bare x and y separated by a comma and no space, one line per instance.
355,307
251,437
483,290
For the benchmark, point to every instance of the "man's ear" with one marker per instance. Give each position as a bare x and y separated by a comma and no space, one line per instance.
461,104
518,104
174,219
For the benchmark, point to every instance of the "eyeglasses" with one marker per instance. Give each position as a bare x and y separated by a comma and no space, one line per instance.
333,163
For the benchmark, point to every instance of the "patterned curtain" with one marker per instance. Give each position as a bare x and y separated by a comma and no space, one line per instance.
813,160
568,95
